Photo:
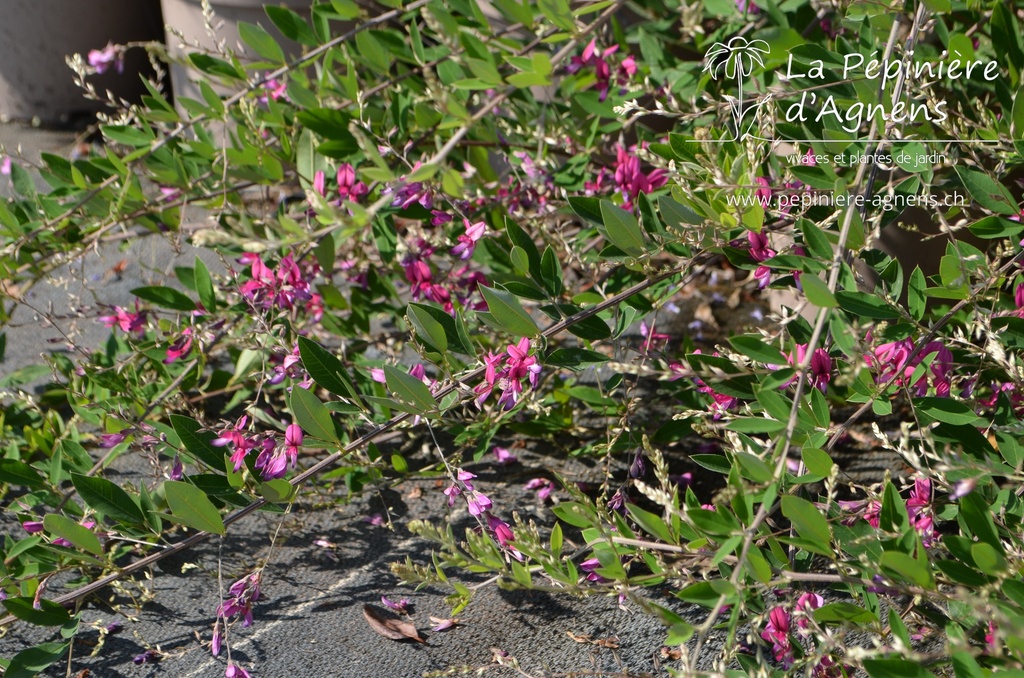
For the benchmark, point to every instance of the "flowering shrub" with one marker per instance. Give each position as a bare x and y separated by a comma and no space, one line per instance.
500,194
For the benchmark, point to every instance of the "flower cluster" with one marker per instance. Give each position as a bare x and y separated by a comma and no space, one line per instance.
273,460
130,323
102,59
626,177
593,58
349,188
892,360
507,372
461,283
820,367
243,593
777,631
283,287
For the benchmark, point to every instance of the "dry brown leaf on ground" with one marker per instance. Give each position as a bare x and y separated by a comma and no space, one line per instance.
609,643
389,627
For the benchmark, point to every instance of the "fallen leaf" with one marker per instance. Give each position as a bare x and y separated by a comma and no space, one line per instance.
415,493
390,627
610,643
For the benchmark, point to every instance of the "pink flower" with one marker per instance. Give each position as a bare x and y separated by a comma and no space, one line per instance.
349,188
273,89
243,593
131,323
631,180
33,526
503,456
236,436
443,624
467,242
501,530
478,503
589,566
806,603
759,250
820,367
543,486
235,671
919,510
218,639
5,165
103,59
180,347
402,606
591,57
777,633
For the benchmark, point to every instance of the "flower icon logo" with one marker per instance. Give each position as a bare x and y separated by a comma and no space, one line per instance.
736,59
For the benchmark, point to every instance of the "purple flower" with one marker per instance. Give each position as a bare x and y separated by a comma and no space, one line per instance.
502,531
443,624
964,488
218,639
109,440
503,456
33,526
589,566
467,241
637,468
103,59
5,165
402,606
177,469
147,657
243,593
478,503
235,671
543,486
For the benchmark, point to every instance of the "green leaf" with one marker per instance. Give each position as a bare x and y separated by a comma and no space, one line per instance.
291,25
312,416
165,297
277,491
428,330
817,291
107,498
262,43
326,370
987,192
947,410
977,515
622,229
506,310
916,301
575,359
753,468
712,462
756,349
558,13
456,336
587,208
214,66
409,389
520,238
49,614
806,519
994,227
708,593
908,568
576,514
31,661
817,461
82,537
192,507
14,472
331,125
816,240
895,668
550,273
197,442
204,286
865,305
677,214
651,523
843,612
989,560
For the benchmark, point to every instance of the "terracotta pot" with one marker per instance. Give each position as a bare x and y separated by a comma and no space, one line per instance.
186,16
35,37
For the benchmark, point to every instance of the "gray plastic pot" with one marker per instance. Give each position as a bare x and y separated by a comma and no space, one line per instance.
35,37
186,16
